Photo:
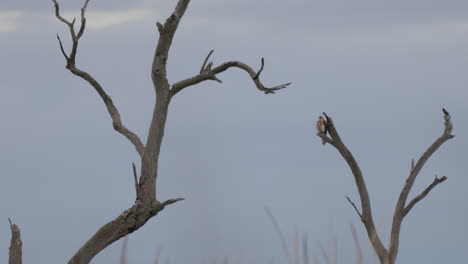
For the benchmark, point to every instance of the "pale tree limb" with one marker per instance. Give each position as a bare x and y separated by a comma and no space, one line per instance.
209,73
16,245
401,209
366,215
149,167
126,223
423,194
71,58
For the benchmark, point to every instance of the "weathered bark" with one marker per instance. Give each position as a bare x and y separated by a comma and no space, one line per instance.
146,205
16,245
386,256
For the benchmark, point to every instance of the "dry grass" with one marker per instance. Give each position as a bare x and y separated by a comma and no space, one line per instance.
300,249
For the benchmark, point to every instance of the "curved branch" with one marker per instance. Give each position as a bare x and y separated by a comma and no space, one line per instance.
113,111
126,223
71,25
423,194
206,73
399,213
366,215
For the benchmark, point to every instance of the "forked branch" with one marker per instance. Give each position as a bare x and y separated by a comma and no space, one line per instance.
71,61
209,73
402,209
366,216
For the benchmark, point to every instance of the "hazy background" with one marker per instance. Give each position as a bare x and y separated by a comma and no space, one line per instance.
382,69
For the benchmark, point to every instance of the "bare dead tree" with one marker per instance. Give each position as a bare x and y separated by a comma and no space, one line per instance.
146,204
16,245
386,256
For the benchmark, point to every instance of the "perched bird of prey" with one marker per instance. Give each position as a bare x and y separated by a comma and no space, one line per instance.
320,126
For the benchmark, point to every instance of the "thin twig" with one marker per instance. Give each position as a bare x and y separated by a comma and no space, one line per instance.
70,59
211,74
202,69
259,71
355,208
135,178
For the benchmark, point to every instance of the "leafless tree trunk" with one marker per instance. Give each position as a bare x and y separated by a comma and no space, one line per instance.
16,245
146,204
386,256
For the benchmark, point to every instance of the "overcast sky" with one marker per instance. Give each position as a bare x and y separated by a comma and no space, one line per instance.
382,69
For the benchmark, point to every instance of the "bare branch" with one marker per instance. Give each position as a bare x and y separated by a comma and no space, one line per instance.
203,69
210,75
135,178
16,245
61,49
355,208
423,194
83,20
400,210
366,215
167,32
57,13
325,138
126,223
71,26
171,201
259,71
113,111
